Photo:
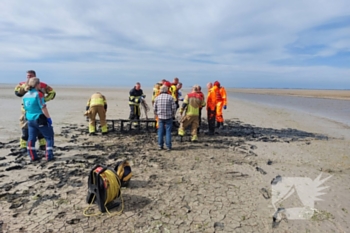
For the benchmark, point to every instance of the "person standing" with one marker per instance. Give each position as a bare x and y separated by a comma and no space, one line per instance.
20,91
97,104
135,97
211,108
38,119
191,105
200,109
164,110
221,103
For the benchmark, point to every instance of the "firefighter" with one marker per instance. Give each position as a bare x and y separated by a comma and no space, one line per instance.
211,108
221,103
191,105
200,109
20,91
97,104
174,92
135,97
156,90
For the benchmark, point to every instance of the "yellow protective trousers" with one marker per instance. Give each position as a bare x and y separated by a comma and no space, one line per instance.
186,121
100,110
219,116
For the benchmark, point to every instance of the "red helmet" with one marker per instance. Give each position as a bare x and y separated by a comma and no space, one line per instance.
167,83
216,83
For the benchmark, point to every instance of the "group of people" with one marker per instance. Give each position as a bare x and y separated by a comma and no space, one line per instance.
36,122
165,107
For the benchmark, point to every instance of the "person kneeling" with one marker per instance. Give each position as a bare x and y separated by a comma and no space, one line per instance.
38,118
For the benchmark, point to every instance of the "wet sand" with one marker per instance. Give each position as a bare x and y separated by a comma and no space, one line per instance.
328,94
221,183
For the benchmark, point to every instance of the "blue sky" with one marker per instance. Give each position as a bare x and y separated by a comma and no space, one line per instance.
251,43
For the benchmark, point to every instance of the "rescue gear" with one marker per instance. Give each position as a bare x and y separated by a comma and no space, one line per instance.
221,101
123,171
97,104
104,186
181,132
225,107
186,121
192,102
194,138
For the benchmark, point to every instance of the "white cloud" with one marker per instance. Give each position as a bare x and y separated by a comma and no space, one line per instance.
228,39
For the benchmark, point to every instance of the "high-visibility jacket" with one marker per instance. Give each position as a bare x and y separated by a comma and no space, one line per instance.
49,93
97,99
135,96
173,91
192,103
211,98
155,91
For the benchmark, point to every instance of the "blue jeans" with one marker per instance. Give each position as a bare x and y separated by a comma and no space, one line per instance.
164,127
47,132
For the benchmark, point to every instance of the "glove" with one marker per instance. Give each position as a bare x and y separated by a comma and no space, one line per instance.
49,121
225,107
182,99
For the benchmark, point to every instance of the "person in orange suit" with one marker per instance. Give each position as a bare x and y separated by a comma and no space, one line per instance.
211,108
221,103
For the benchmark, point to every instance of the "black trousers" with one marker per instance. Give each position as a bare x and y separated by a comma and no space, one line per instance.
211,120
134,112
25,134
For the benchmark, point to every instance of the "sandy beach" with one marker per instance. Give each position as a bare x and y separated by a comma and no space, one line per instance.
220,184
325,94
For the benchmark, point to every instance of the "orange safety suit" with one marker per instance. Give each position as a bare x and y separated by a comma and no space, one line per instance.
20,91
221,102
211,109
97,104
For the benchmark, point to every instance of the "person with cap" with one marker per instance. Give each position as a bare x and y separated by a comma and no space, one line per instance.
38,119
211,108
20,91
97,105
191,105
135,97
221,103
164,110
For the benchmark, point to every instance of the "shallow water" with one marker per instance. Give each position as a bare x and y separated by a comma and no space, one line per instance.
336,110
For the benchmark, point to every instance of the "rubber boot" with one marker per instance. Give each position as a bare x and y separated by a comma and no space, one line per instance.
42,144
194,138
181,132
22,146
